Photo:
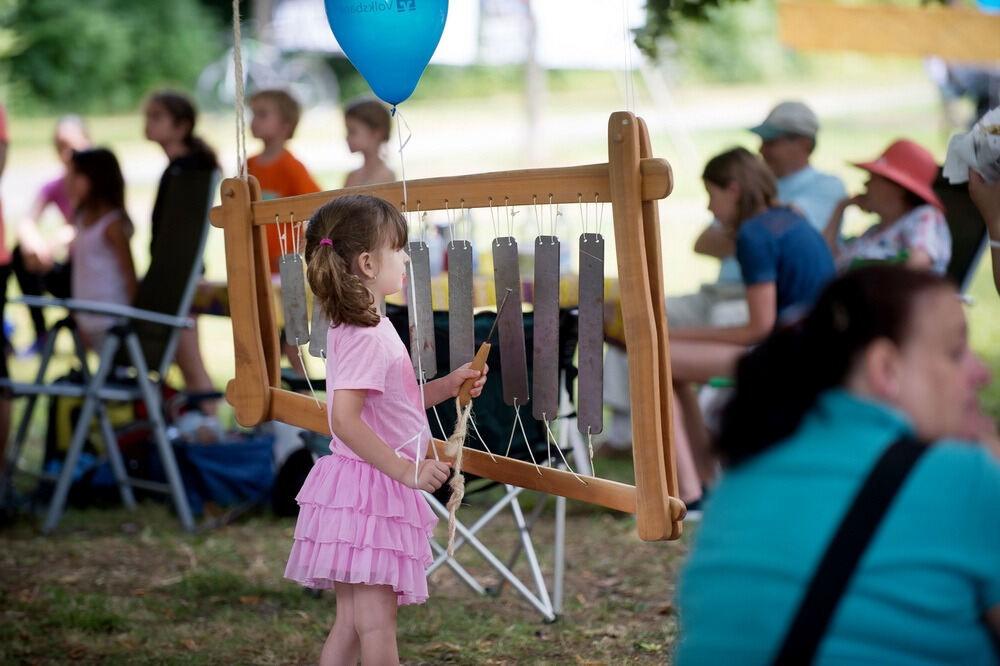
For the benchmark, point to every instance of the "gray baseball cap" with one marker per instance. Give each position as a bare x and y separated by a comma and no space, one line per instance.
788,118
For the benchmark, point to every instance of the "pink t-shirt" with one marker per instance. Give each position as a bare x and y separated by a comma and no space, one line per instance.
374,358
54,192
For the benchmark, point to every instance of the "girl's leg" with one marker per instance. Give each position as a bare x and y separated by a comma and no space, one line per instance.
375,620
688,483
342,646
696,361
189,360
697,434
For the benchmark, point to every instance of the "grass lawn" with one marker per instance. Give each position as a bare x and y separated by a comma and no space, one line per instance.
121,587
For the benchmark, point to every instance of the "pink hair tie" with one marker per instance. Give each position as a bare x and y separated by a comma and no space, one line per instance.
326,241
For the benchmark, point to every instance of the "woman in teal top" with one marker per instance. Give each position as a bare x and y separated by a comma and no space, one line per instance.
883,354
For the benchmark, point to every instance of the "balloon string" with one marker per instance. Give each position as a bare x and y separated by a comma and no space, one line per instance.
402,144
629,83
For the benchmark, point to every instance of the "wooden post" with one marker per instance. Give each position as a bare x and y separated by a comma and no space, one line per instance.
653,515
654,266
248,392
265,296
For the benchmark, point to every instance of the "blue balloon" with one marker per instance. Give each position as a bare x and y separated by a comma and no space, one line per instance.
390,42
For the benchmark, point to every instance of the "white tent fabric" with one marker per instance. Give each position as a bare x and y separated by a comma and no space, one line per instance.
584,34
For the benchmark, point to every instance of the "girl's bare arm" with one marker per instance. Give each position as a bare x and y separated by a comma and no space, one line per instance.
115,236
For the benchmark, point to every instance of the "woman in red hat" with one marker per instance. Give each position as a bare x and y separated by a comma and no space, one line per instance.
911,227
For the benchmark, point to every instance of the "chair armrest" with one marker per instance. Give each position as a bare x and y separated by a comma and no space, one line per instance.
111,309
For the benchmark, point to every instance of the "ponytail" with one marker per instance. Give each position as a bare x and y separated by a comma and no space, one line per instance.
779,381
342,295
338,232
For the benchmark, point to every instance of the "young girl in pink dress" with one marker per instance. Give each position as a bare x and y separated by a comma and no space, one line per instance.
363,526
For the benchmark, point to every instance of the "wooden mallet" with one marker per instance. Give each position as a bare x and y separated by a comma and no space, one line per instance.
479,362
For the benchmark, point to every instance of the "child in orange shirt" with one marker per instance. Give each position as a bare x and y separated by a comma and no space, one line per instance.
275,116
368,126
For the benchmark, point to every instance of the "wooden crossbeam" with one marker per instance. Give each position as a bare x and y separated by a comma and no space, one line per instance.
523,187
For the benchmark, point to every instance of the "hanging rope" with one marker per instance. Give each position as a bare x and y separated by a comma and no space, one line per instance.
454,448
241,139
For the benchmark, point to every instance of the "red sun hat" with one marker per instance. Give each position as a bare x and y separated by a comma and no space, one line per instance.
910,166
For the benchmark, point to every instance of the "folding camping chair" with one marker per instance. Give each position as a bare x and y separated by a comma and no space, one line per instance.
491,421
135,355
968,231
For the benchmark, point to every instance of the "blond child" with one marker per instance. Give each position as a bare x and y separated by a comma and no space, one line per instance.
275,117
368,128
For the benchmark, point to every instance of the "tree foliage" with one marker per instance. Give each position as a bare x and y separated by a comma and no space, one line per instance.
105,55
663,18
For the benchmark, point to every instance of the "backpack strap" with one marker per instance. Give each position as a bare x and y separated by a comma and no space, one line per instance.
848,545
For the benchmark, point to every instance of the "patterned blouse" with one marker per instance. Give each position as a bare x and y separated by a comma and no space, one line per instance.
923,228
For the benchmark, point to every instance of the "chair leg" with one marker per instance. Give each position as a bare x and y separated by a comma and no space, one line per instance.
568,434
155,410
536,512
480,523
90,401
115,457
541,605
559,556
14,451
468,536
107,432
529,551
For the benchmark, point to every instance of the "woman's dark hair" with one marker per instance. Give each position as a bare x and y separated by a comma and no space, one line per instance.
107,185
779,381
758,189
353,224
912,201
182,111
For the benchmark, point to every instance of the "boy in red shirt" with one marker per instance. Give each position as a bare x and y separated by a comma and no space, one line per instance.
275,116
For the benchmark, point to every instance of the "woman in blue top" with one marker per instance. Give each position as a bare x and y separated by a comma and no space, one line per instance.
882,355
785,263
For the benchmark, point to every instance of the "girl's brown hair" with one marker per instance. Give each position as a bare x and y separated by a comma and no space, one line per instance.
182,111
107,185
353,224
780,380
372,113
758,188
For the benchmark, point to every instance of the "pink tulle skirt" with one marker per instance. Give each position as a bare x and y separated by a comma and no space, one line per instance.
356,525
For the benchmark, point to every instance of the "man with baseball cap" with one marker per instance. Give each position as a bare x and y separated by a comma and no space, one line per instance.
788,138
